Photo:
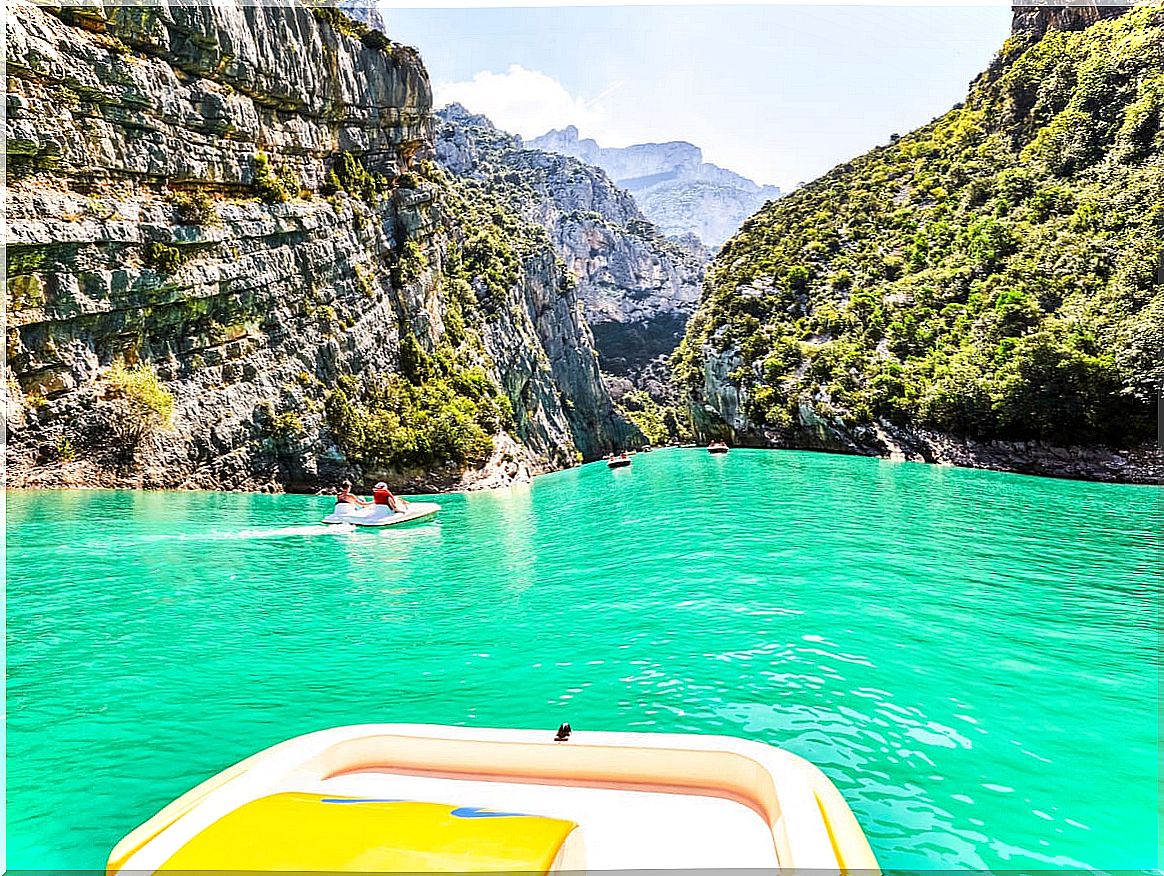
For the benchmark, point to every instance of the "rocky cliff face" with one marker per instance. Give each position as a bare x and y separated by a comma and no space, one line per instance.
637,286
671,183
1035,19
232,199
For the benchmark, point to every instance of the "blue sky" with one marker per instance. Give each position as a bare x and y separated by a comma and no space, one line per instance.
778,93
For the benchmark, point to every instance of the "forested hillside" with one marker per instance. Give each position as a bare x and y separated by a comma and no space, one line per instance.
994,275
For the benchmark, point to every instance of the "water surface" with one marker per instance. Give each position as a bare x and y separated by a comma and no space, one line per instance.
970,656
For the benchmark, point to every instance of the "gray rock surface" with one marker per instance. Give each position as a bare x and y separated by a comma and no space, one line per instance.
1035,19
638,287
672,184
113,111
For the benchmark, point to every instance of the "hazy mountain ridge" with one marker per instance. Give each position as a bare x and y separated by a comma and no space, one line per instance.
675,188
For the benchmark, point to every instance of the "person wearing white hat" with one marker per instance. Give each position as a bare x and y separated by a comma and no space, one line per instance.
381,495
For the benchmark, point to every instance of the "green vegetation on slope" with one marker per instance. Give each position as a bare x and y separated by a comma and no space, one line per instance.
342,23
142,404
661,424
439,409
497,239
993,274
443,406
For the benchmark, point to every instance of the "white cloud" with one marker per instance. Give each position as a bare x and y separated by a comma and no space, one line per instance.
528,102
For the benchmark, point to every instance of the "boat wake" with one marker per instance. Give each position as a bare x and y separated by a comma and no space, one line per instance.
300,531
285,531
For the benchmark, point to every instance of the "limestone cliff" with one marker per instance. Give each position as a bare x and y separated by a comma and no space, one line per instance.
638,287
1033,20
234,199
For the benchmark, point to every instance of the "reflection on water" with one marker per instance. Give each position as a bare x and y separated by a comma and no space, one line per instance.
968,655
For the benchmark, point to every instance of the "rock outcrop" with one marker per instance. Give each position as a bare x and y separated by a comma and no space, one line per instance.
638,287
1035,19
232,201
671,183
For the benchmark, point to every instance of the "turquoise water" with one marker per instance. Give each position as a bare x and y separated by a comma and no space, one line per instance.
970,656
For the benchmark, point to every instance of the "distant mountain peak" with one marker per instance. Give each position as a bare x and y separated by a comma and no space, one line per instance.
456,112
671,182
363,10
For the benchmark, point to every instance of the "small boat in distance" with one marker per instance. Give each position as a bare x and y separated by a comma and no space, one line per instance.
427,798
380,515
621,460
717,447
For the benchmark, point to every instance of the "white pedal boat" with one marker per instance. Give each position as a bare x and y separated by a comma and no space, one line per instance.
423,798
380,515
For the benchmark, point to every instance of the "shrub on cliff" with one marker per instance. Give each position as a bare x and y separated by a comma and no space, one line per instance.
194,208
340,21
409,265
162,258
142,403
285,425
348,174
398,423
272,187
993,274
376,41
414,362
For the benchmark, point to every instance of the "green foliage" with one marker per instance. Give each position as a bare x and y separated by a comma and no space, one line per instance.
993,274
145,405
63,450
489,209
348,174
272,187
285,425
376,40
409,265
326,318
163,258
414,361
661,424
339,21
194,207
331,183
442,409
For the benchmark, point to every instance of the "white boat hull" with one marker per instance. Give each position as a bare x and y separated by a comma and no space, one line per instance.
380,515
638,800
